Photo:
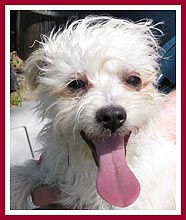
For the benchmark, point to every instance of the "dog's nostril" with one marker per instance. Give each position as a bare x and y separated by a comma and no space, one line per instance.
111,117
105,118
120,117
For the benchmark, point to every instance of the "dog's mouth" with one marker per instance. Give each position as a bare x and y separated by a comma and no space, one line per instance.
115,182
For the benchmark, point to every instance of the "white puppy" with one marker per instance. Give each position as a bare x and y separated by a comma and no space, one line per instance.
100,147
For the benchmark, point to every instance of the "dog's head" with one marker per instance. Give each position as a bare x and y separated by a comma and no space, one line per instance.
96,78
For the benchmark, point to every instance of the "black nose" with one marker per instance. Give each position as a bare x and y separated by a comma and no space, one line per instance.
111,117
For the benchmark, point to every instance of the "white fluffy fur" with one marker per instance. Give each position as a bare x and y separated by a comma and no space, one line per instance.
105,51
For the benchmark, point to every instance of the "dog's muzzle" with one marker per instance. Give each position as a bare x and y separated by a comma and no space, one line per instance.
115,182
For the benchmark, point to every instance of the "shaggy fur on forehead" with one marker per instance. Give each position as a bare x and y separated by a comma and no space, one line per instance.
94,44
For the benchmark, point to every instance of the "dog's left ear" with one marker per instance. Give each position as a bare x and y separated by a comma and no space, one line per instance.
33,68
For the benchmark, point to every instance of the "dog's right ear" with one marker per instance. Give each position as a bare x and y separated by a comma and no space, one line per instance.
33,68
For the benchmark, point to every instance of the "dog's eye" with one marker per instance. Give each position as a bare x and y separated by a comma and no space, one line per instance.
133,81
76,84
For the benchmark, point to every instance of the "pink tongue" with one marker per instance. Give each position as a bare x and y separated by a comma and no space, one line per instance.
115,182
